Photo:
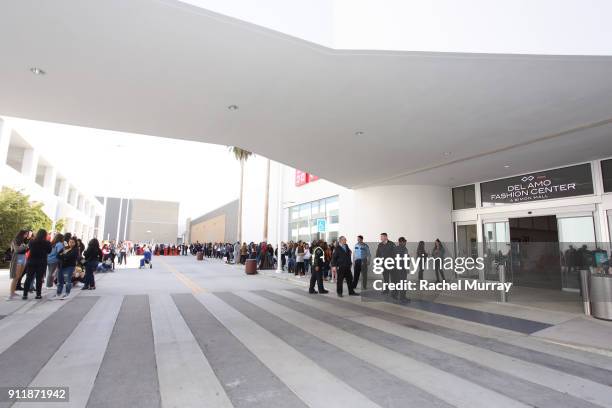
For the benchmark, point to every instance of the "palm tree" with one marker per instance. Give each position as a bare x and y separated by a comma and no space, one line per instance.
266,202
242,156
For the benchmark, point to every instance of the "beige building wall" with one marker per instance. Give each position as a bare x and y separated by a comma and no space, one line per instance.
211,230
158,217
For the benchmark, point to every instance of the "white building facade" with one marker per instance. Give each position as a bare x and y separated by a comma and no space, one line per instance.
24,168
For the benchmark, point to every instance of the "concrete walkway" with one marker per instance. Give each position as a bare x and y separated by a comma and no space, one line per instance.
193,334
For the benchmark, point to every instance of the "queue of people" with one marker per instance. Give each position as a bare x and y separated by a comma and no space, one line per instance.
331,262
58,260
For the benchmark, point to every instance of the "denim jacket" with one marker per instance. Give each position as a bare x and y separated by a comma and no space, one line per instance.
52,257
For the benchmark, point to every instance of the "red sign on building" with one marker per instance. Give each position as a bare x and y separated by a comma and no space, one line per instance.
301,178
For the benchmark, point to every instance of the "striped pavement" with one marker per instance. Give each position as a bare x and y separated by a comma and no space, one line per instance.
284,348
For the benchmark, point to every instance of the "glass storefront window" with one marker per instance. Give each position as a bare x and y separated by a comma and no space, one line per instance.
606,175
303,220
464,197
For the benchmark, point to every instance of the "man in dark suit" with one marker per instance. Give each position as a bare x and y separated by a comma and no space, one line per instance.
341,263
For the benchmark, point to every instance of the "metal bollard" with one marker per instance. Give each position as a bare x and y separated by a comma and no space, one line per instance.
502,279
585,290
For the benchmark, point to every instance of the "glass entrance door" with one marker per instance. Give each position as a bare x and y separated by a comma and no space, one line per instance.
466,245
576,246
496,237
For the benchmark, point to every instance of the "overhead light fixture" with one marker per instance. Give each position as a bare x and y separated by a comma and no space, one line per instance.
507,166
37,71
233,107
447,153
359,133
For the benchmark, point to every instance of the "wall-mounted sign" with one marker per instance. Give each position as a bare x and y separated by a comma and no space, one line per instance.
301,178
321,225
543,185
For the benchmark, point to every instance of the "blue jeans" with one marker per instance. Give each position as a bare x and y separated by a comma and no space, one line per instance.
306,265
64,277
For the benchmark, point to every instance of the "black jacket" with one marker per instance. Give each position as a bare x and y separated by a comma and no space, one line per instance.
341,258
92,254
38,252
69,258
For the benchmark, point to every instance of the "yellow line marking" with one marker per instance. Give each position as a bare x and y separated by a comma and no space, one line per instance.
195,288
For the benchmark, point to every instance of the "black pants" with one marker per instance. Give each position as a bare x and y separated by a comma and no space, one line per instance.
37,270
342,274
90,281
122,258
360,266
316,277
439,272
386,278
299,268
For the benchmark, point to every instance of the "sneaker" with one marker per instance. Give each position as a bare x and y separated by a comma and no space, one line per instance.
324,291
12,297
54,297
65,296
38,297
24,297
313,292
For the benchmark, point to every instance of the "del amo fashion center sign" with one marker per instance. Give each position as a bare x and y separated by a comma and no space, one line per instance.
543,185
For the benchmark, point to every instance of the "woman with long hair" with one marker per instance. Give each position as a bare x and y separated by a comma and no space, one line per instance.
68,257
93,256
18,261
420,253
36,265
53,261
438,254
299,259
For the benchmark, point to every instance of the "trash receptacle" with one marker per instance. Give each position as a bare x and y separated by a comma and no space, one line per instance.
250,266
601,296
200,255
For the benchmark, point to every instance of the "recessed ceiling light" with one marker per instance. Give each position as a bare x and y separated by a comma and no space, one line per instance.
358,133
37,71
507,166
448,153
233,107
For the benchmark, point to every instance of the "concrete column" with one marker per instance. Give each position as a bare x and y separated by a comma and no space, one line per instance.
29,164
5,139
49,180
63,191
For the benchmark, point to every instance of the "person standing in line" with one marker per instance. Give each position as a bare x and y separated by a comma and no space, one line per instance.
361,255
386,249
36,265
422,256
122,254
53,261
307,256
318,260
93,256
299,260
28,237
18,261
68,258
341,263
437,253
400,273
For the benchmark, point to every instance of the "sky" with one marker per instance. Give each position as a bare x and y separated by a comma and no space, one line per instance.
200,176
565,27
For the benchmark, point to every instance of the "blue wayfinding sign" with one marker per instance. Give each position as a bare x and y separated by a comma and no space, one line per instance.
321,225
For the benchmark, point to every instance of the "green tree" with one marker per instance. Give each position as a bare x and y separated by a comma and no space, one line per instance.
242,156
17,212
59,225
